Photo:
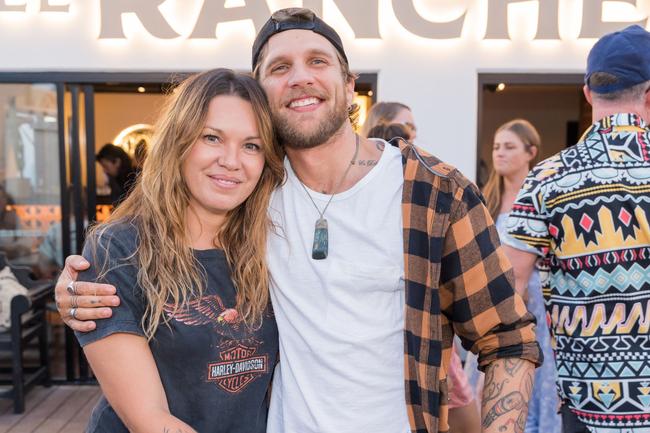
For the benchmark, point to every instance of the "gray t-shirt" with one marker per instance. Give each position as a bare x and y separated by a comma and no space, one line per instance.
215,371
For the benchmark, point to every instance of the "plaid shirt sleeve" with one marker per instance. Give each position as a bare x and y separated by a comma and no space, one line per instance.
477,286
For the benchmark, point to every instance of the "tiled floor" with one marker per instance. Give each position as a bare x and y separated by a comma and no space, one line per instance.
63,408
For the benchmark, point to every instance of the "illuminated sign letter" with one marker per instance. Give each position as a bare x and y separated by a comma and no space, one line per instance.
412,21
4,7
214,12
547,21
147,12
362,15
47,7
592,22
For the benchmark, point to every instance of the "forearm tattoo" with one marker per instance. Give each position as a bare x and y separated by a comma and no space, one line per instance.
512,401
507,376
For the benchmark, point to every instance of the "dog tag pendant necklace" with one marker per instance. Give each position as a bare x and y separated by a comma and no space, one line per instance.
321,235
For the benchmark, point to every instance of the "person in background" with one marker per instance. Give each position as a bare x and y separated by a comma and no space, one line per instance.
119,168
384,113
393,133
516,149
193,344
586,211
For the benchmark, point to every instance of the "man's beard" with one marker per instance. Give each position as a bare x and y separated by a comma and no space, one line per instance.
290,135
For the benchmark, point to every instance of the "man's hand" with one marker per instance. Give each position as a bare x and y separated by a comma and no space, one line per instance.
86,298
508,384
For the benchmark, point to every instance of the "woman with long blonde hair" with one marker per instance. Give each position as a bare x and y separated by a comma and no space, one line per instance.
515,151
192,346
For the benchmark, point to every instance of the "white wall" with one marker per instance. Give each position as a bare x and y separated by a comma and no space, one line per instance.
437,78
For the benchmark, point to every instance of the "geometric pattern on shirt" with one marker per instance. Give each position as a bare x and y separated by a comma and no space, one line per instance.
622,278
600,259
589,347
602,319
584,206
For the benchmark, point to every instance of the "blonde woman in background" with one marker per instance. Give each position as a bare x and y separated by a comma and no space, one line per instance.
515,150
192,345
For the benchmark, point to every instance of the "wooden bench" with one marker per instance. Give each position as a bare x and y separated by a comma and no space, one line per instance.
28,325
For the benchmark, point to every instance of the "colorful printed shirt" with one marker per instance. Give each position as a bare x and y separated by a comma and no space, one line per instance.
458,280
586,211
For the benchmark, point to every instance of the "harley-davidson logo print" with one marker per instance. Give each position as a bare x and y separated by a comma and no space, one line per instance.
239,367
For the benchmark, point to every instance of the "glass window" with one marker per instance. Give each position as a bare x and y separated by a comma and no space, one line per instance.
30,197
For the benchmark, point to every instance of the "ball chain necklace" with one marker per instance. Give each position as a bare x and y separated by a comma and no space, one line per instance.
321,242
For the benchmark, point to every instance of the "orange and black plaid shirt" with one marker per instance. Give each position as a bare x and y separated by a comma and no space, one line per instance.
458,281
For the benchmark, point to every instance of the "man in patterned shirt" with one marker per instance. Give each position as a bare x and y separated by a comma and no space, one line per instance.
586,211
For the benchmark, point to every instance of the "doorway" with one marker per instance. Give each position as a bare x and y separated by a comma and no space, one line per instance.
554,104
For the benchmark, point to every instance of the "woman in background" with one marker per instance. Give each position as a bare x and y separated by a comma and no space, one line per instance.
393,133
384,113
515,151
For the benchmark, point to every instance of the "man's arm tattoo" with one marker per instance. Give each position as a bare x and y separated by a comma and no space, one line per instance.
491,388
511,409
512,401
512,366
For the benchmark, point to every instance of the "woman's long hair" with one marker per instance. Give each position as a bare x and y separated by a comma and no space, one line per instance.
493,189
168,272
382,113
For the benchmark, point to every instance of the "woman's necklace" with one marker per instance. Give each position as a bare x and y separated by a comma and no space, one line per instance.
320,246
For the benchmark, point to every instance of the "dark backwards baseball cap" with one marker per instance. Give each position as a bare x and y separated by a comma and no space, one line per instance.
295,19
625,55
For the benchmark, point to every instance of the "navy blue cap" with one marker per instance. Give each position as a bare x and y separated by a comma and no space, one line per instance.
625,55
305,19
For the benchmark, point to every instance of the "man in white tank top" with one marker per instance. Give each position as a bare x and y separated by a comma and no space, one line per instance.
364,299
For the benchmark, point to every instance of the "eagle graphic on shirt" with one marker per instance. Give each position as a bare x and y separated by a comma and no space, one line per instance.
208,310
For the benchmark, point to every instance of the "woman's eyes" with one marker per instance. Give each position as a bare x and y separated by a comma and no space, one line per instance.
210,138
252,146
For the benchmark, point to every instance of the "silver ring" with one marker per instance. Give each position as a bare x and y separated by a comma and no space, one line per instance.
73,313
71,288
74,302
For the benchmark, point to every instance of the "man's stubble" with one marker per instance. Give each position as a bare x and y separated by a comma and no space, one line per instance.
291,135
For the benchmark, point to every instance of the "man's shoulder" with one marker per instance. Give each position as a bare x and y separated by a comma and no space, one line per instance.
414,156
